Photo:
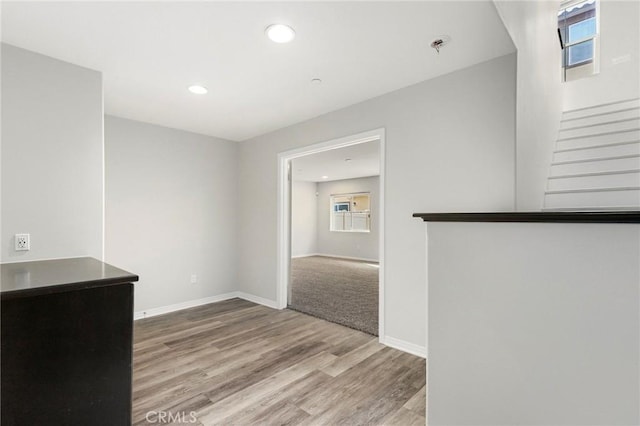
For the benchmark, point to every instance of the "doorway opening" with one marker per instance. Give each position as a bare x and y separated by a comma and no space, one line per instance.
347,206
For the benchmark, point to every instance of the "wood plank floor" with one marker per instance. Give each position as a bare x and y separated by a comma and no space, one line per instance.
238,363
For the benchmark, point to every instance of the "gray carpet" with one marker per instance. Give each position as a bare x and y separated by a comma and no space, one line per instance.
337,290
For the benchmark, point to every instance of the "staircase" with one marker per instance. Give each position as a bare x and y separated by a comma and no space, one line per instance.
596,164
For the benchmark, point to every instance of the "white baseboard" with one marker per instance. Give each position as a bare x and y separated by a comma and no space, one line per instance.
363,259
297,256
404,346
257,299
183,305
147,313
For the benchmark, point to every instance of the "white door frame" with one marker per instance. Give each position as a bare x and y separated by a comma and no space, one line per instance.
284,219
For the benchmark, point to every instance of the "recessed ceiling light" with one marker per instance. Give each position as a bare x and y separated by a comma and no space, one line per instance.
198,90
347,159
325,177
316,81
280,33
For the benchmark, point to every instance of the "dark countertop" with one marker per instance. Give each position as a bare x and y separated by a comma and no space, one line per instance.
54,276
549,217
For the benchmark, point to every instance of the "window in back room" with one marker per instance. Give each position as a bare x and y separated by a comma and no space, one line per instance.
579,33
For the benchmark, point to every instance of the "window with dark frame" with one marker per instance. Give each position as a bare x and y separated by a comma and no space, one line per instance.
577,27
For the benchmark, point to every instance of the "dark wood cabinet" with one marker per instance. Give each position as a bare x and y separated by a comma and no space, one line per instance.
66,343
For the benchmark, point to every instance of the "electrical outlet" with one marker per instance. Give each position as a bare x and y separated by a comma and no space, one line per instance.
194,278
22,242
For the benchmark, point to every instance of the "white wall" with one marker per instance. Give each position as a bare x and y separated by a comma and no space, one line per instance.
171,211
532,26
619,76
52,157
534,324
449,147
304,218
363,245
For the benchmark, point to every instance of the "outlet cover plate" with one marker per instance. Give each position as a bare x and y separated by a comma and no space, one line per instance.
23,242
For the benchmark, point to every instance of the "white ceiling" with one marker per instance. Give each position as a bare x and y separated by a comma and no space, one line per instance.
365,161
150,52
